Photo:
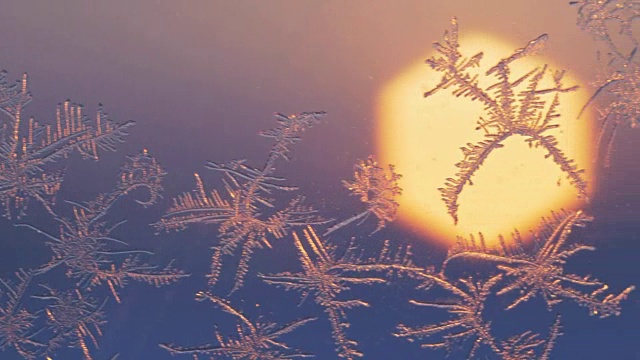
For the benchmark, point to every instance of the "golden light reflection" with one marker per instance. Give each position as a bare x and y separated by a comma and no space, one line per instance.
515,186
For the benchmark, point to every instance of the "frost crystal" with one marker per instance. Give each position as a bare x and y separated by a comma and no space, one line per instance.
26,160
16,323
618,81
376,189
326,276
259,341
540,270
85,245
513,107
242,214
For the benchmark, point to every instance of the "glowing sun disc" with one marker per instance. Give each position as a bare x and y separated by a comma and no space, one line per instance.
514,187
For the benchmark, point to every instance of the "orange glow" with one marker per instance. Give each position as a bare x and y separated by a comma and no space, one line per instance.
514,187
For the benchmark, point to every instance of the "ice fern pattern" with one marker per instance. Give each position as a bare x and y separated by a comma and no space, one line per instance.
529,345
467,324
325,276
17,325
37,319
58,307
618,80
248,218
90,256
26,157
73,319
540,269
254,341
605,19
377,189
85,245
522,272
512,106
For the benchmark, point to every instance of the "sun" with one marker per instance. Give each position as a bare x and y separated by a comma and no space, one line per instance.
515,186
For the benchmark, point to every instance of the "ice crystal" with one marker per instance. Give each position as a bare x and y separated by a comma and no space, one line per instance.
525,272
525,345
610,22
259,341
25,159
247,217
377,189
598,16
73,319
17,328
326,276
540,270
85,245
467,323
512,106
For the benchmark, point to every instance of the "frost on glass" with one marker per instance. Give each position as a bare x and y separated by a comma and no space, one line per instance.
17,324
29,149
73,319
377,189
618,79
538,270
90,256
466,323
85,246
247,216
41,312
520,274
253,341
92,261
326,275
519,106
